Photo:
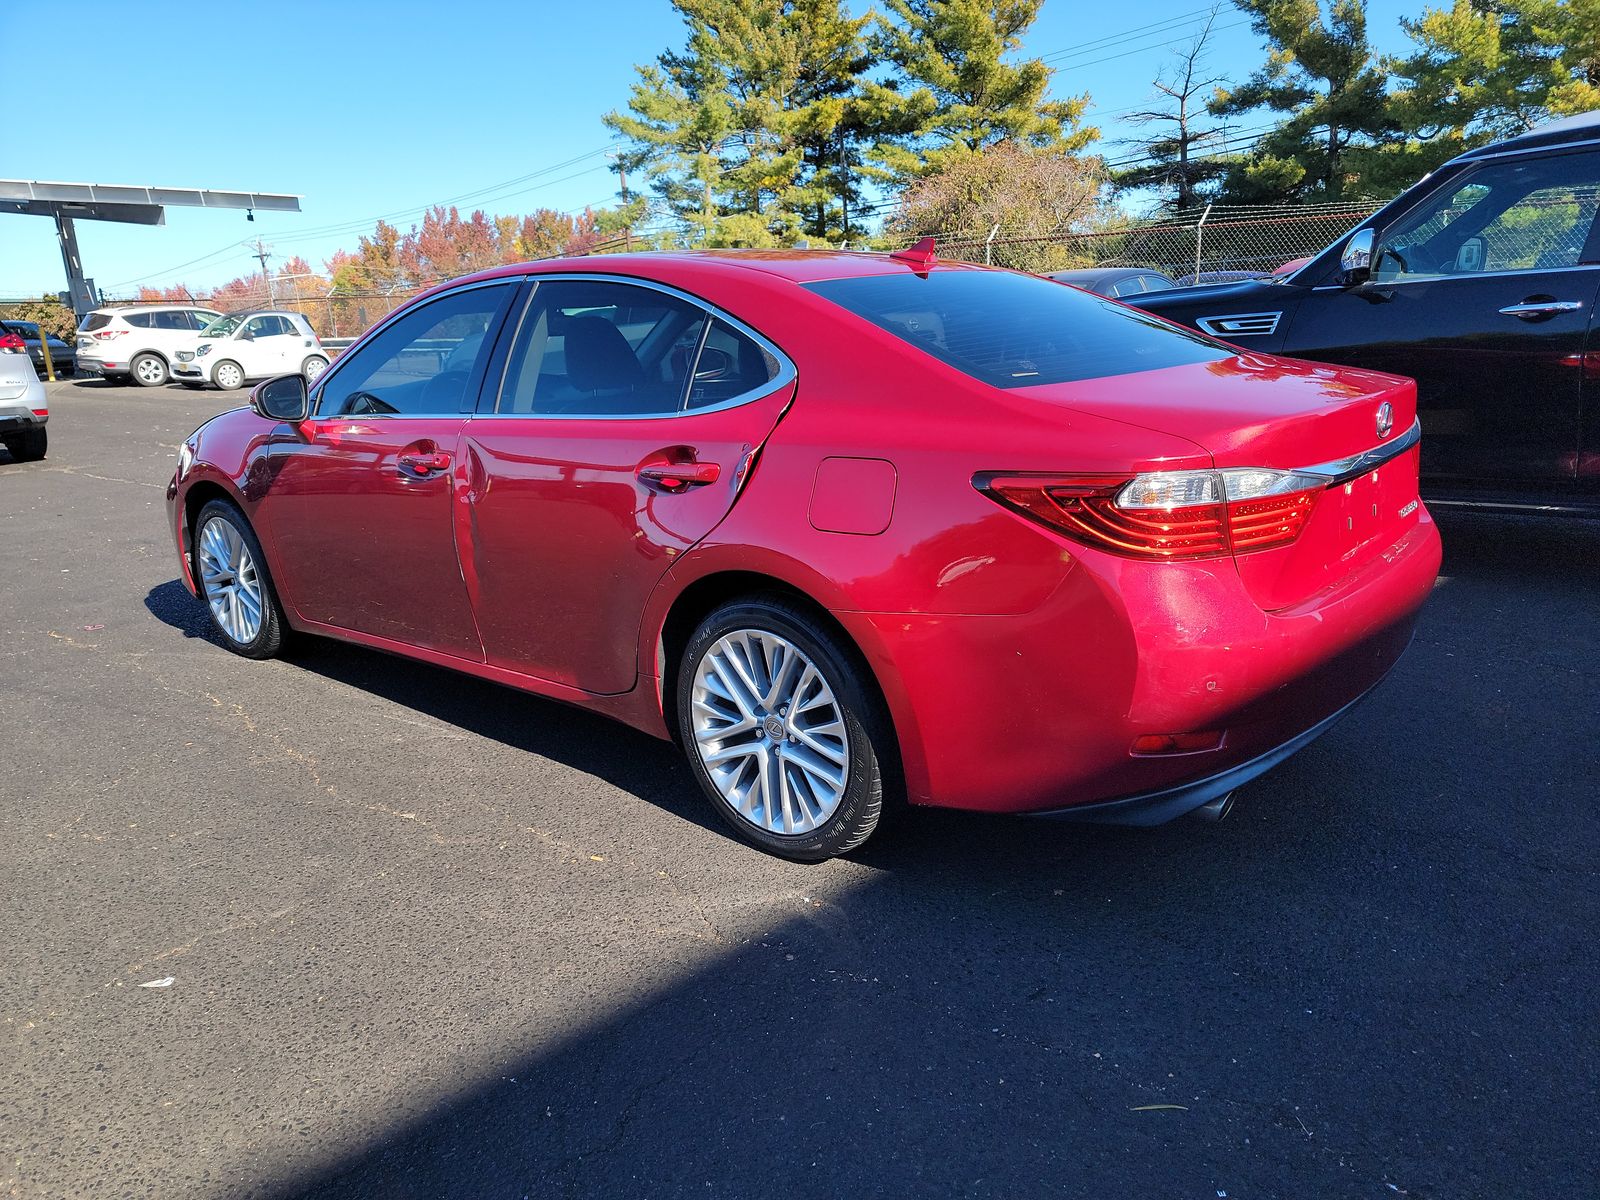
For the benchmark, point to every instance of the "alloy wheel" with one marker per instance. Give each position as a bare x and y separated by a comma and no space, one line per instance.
231,581
150,371
229,376
770,732
314,368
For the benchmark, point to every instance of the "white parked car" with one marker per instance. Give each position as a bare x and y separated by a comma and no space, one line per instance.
245,346
138,343
23,408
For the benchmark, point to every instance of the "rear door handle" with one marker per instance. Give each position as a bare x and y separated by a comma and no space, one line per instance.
1531,308
425,464
679,477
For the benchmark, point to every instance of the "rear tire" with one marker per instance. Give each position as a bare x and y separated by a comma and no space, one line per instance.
234,582
27,446
313,366
148,370
783,729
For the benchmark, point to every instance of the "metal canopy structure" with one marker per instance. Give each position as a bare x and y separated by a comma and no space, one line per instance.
68,202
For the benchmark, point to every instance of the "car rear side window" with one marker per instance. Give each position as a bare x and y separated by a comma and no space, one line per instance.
142,320
1012,330
95,320
598,348
729,366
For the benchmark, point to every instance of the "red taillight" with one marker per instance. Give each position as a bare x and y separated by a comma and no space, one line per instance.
1095,511
105,335
10,343
41,413
1275,521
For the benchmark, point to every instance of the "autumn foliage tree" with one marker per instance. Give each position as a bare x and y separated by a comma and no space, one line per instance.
1029,195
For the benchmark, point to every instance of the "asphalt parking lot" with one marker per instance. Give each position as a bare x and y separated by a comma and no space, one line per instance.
428,937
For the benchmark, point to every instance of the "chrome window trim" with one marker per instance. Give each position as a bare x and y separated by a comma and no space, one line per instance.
1471,275
787,372
1341,470
335,364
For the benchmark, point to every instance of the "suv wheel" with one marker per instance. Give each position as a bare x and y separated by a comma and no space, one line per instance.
781,730
148,370
27,446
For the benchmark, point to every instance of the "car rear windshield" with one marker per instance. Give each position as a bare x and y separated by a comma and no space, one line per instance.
1013,330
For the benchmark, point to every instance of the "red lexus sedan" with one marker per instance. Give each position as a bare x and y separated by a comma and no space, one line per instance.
847,527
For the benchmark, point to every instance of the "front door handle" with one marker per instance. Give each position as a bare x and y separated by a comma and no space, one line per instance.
679,477
425,464
1535,307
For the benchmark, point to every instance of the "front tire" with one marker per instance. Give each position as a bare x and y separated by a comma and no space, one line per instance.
228,375
148,370
782,729
234,582
27,446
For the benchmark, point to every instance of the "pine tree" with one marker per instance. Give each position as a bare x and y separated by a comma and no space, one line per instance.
1490,68
953,90
1321,73
1173,159
753,132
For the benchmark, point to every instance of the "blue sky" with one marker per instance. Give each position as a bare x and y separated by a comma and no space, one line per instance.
370,109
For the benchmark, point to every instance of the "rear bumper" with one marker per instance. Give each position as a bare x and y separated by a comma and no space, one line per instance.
17,415
1157,808
1039,712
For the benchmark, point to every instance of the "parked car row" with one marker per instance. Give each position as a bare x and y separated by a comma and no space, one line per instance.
155,344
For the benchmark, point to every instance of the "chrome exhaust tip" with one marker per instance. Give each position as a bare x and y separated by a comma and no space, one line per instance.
1216,810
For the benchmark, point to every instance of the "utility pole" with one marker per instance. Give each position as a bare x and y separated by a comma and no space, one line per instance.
262,252
622,177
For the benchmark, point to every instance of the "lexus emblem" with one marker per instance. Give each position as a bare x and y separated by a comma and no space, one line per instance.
1385,419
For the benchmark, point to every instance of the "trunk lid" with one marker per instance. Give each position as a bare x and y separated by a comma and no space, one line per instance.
1253,410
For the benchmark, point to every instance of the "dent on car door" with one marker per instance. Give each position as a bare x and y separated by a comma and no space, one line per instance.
360,500
1483,292
620,437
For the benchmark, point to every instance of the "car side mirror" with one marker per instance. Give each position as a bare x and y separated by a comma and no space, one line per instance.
285,398
1356,260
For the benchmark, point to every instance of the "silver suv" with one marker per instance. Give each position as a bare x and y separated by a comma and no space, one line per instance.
138,343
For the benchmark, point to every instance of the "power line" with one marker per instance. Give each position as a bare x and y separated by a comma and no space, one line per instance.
364,224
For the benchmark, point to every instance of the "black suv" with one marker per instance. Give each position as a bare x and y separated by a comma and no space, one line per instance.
1479,282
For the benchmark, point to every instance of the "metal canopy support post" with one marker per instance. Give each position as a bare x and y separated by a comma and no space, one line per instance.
78,288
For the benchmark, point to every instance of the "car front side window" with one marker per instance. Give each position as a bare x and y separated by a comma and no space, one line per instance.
1524,215
422,363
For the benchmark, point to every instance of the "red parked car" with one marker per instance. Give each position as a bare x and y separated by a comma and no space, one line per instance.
846,526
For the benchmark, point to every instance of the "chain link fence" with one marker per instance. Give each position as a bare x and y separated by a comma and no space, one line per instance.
1205,242
1209,242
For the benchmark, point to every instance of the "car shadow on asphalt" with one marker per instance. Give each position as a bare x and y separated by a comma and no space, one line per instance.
1377,957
